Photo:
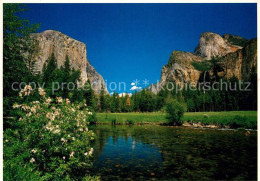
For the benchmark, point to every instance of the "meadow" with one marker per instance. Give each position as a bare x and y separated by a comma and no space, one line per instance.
246,119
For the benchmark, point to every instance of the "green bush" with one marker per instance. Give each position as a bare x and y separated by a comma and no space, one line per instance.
175,111
91,118
50,139
113,121
129,122
239,122
242,122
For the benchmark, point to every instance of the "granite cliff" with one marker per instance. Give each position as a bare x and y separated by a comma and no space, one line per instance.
238,57
62,45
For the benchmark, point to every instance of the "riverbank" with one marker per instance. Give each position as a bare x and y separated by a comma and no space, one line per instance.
228,119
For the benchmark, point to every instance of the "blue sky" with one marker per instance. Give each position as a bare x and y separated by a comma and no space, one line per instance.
126,42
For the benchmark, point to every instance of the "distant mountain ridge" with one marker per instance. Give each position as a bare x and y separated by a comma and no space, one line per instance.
62,45
238,57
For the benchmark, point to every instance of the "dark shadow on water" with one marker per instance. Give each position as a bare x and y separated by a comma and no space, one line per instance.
163,153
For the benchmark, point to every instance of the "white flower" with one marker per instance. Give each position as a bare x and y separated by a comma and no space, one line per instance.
59,99
27,87
16,106
25,107
33,109
41,92
86,154
47,101
32,160
90,113
56,113
67,101
73,138
34,151
56,131
71,154
50,116
91,151
64,158
86,129
63,140
27,90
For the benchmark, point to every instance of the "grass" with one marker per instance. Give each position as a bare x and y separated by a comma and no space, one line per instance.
123,118
249,118
216,118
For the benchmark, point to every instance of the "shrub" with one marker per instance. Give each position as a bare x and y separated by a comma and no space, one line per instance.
50,139
114,121
129,122
91,118
239,122
175,111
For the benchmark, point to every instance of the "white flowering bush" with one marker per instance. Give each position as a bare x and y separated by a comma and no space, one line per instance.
49,140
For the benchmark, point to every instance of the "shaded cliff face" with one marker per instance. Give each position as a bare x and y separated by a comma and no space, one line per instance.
241,63
180,67
235,40
235,60
179,70
62,45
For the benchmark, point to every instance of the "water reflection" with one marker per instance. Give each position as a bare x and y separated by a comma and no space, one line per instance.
163,153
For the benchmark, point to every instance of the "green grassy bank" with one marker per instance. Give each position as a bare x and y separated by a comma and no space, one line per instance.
246,119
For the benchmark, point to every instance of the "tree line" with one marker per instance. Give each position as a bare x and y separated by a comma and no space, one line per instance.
196,100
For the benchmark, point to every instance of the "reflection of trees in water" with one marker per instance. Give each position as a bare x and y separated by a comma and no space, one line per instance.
191,153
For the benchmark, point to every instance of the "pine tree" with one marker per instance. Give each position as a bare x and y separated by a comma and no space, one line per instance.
103,105
67,68
50,68
17,42
113,103
117,103
89,94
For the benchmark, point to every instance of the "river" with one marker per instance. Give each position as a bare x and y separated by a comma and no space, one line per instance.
168,153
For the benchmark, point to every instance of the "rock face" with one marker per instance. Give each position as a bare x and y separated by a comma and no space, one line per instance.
241,63
235,40
213,45
62,45
179,70
180,67
238,57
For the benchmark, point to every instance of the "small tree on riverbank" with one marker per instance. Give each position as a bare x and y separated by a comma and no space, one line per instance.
175,111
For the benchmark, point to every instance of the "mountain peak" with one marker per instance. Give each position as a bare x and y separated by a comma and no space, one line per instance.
211,45
62,45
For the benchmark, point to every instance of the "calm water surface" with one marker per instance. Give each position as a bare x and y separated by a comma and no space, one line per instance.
168,153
